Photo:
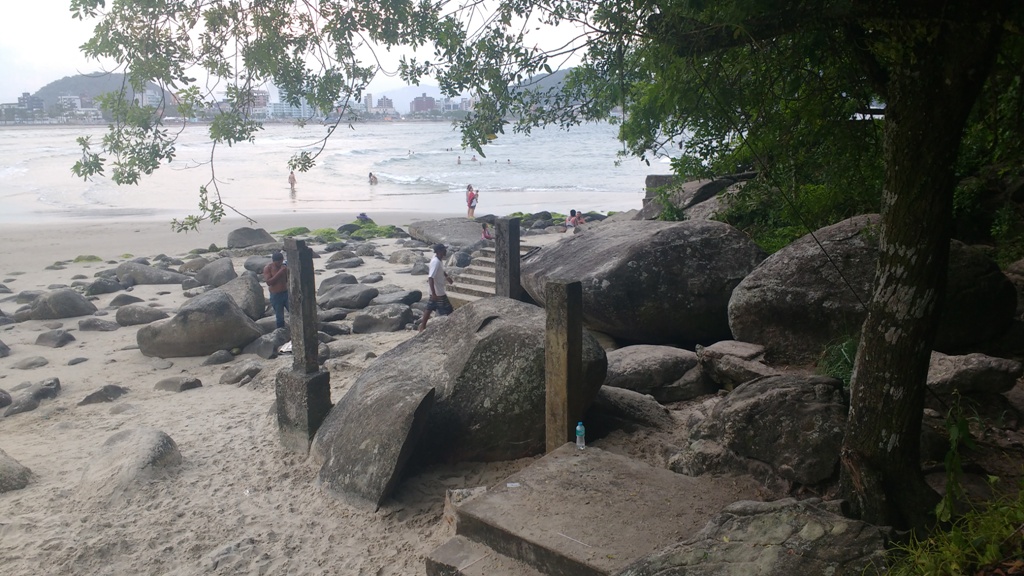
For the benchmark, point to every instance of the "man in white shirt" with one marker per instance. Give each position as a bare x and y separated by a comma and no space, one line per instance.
436,279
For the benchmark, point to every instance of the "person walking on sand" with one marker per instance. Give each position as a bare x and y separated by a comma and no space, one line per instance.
472,196
275,275
436,279
291,180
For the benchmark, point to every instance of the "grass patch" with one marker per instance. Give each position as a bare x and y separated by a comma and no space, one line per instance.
988,540
88,258
326,234
837,359
294,231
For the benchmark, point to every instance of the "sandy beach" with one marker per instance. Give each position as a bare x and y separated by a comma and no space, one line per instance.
238,503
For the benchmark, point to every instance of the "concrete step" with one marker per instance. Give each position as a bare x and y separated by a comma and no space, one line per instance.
479,270
471,290
476,280
461,556
462,299
591,513
484,261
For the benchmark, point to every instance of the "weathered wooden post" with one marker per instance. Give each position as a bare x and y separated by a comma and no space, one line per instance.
304,391
563,361
506,258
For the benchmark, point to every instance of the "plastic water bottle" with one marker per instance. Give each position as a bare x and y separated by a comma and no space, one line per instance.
581,433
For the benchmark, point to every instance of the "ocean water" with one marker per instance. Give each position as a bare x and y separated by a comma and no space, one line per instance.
417,165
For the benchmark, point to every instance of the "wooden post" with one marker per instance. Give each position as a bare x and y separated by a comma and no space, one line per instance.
563,361
506,258
304,391
302,305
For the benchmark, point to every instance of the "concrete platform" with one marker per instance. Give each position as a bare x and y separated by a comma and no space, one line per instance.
590,512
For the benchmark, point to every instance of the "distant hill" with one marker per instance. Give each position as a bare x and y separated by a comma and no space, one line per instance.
86,85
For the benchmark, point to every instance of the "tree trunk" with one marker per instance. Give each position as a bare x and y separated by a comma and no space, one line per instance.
936,73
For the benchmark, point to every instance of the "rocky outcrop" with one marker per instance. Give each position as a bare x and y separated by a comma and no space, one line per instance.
729,363
486,366
13,476
972,374
794,424
202,326
247,292
132,273
136,314
782,537
650,282
217,273
61,303
798,300
382,318
245,237
455,233
666,373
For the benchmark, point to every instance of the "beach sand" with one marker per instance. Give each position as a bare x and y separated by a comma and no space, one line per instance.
238,503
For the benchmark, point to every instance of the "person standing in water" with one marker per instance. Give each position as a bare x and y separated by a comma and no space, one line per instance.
471,199
291,180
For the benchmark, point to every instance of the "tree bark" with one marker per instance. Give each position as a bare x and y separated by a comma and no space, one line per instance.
936,73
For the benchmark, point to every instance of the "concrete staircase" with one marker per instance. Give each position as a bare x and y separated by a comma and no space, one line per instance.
477,280
580,513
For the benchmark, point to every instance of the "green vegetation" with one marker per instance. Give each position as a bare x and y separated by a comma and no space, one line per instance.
88,258
369,229
837,359
980,542
292,232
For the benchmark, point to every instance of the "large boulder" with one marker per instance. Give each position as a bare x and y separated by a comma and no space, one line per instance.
13,476
972,374
782,537
452,232
217,273
352,296
203,325
245,237
650,282
61,303
798,300
126,460
486,366
135,314
792,423
668,374
247,292
382,318
132,273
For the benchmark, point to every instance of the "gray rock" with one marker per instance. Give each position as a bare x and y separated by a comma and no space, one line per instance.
108,393
136,314
28,296
178,383
126,460
202,326
97,325
383,318
30,363
652,282
124,300
266,346
55,338
347,296
337,280
796,301
132,273
244,370
246,291
256,264
245,237
217,273
407,256
622,405
5,398
219,357
783,537
63,303
419,269
685,196
407,297
973,373
371,278
800,441
668,374
729,363
332,315
353,262
30,398
486,365
5,350
13,476
193,265
103,286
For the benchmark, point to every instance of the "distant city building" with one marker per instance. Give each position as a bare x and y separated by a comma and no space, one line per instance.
385,104
368,102
29,102
422,103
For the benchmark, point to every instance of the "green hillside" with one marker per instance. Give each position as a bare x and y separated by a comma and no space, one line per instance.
86,85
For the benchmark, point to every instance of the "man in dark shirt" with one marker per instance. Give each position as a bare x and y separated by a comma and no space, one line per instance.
276,276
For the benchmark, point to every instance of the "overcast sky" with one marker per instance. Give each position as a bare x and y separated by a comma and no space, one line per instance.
39,42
